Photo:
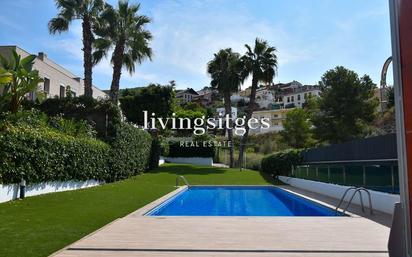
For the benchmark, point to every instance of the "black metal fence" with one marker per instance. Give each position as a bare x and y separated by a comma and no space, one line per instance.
380,177
371,163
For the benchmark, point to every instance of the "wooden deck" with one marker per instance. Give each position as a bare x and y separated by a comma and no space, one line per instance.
137,235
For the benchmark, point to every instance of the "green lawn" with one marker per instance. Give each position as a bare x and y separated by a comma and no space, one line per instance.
40,225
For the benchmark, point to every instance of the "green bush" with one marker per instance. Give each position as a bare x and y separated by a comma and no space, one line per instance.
195,150
153,98
102,114
43,154
130,151
72,127
39,149
280,163
164,147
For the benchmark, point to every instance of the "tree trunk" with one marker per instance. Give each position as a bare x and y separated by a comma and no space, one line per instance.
228,110
14,105
117,71
87,57
249,113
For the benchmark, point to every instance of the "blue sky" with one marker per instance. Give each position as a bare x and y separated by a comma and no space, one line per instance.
311,37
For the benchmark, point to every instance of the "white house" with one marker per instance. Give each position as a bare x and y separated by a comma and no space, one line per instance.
264,98
186,95
56,79
275,117
298,96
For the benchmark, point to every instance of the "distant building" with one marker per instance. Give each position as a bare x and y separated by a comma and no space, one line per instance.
264,98
293,94
56,79
287,86
275,117
246,92
186,95
204,96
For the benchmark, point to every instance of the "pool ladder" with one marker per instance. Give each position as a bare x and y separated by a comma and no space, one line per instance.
356,190
178,178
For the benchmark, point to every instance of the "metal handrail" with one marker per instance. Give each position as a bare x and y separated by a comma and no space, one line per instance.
357,190
181,178
343,197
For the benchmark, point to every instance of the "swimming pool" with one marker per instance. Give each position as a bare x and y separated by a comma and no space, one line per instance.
239,201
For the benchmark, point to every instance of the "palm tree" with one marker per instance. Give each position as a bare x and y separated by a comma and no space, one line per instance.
124,29
87,11
226,71
260,62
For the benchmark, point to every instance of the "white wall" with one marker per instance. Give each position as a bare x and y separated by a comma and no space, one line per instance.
191,160
161,160
380,201
11,191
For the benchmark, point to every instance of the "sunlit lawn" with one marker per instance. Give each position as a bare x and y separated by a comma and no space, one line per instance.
41,225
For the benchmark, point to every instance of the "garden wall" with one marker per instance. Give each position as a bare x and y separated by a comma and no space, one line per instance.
11,191
380,201
191,160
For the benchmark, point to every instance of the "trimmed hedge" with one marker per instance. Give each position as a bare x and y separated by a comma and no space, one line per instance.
280,163
130,151
199,150
39,155
33,150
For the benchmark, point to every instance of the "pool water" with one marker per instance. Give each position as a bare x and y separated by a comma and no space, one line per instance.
239,201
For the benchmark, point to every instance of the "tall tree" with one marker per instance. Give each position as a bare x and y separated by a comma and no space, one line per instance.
261,63
134,101
347,106
297,131
227,73
124,29
87,11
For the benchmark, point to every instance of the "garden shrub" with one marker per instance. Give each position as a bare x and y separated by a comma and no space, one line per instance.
40,149
130,151
72,127
102,114
280,163
44,154
164,147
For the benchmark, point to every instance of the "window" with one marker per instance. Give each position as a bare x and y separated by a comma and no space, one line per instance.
306,95
73,93
62,91
299,97
275,116
293,98
46,86
288,99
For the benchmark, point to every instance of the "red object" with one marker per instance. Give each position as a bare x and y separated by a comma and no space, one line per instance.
405,44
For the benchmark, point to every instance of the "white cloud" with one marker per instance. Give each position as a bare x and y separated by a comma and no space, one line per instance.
186,34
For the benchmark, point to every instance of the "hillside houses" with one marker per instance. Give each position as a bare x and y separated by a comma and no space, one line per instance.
272,101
